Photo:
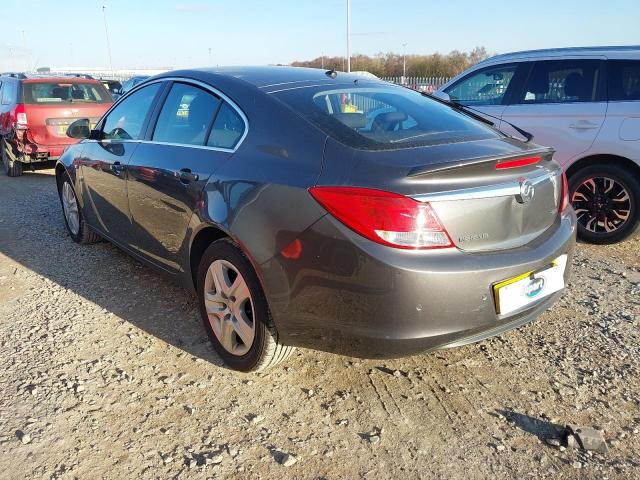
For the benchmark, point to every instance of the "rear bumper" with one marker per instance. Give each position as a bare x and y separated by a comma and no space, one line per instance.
42,153
348,295
37,152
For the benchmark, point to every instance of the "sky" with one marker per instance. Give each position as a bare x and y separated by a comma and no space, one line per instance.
183,33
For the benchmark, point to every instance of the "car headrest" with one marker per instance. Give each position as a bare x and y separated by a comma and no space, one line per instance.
390,117
59,92
77,95
538,82
200,111
575,86
352,120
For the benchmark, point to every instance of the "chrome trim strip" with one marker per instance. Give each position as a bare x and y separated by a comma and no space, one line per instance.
506,189
198,83
201,147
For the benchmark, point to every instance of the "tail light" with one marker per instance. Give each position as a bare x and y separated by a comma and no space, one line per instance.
20,116
384,217
564,193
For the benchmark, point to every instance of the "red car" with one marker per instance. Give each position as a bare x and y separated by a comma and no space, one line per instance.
36,111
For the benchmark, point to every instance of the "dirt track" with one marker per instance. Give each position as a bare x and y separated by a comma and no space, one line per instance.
107,373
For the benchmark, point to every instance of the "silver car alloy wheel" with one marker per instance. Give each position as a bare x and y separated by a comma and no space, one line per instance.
229,307
601,204
70,207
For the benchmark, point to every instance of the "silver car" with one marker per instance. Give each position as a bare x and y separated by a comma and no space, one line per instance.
583,102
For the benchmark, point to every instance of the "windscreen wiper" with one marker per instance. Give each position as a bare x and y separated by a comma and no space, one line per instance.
470,111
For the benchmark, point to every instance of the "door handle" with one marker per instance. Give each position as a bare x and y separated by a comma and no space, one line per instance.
116,168
186,176
584,125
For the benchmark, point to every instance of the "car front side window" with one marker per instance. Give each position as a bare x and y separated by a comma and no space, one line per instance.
126,120
485,87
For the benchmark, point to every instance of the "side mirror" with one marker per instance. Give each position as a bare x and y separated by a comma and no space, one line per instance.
442,96
79,129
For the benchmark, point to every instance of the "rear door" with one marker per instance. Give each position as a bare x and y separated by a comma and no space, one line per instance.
103,164
487,90
563,104
622,128
195,132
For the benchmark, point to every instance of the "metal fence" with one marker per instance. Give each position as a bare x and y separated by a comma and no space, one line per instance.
424,84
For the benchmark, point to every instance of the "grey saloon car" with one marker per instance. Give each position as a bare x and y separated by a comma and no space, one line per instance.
323,210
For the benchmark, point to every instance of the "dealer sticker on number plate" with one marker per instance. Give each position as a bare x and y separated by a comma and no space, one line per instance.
523,290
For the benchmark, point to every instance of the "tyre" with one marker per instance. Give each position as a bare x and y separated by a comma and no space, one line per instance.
235,311
78,230
12,167
606,199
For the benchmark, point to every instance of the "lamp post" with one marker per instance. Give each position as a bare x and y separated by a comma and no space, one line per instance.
348,35
404,62
106,33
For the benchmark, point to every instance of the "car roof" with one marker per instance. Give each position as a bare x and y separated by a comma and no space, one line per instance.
274,77
58,78
630,51
38,78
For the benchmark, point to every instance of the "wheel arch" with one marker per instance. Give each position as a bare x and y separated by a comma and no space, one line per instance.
60,171
200,242
603,158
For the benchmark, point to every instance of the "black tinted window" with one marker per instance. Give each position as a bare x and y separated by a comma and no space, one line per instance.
563,81
486,87
382,116
624,79
186,115
227,129
64,92
126,120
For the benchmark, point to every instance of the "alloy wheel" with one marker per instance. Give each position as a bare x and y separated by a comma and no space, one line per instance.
229,307
602,204
70,207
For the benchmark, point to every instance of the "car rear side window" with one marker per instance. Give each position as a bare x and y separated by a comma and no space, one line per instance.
383,117
64,92
228,128
563,81
486,87
624,80
186,115
126,120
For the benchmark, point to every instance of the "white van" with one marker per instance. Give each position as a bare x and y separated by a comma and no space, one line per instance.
583,102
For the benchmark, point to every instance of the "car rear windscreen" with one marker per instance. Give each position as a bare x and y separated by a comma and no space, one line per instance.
61,92
381,117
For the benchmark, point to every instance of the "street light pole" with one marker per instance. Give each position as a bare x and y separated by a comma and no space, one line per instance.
404,61
348,35
106,33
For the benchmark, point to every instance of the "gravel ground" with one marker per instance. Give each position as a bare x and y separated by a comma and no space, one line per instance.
108,374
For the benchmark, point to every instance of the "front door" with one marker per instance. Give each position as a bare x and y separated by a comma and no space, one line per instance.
103,165
195,132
